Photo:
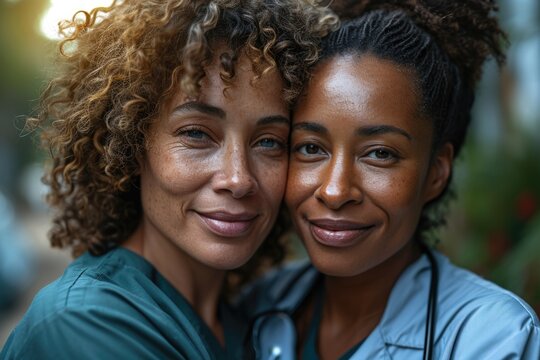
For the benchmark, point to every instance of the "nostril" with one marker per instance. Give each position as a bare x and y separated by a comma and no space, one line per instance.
243,185
336,195
340,182
238,183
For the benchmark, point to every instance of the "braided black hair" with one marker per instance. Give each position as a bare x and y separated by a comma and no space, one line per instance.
444,44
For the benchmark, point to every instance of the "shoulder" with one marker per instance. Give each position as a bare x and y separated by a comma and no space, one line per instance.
90,304
475,319
89,332
282,288
480,318
105,307
89,281
463,291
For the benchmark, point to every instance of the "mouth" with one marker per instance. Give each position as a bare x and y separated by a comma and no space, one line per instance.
227,224
338,233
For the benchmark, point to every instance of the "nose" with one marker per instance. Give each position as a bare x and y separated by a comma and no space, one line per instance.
340,184
235,175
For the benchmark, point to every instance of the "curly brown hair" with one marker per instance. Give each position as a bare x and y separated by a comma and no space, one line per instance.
120,65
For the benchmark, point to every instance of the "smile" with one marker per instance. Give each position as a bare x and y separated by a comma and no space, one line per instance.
227,224
336,233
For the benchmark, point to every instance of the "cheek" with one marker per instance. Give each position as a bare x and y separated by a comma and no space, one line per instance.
172,173
301,184
272,179
396,192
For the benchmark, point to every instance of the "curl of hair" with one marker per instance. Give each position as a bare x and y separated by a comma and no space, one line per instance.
443,43
119,66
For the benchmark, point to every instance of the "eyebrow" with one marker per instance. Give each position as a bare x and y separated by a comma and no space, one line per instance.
274,119
382,129
214,111
200,107
362,131
312,127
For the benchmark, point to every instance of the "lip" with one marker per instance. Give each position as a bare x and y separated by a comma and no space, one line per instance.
227,224
338,233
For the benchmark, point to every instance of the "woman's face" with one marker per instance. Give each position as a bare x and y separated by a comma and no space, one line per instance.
215,169
360,170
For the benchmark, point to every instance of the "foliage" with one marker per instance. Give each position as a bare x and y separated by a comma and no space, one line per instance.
494,226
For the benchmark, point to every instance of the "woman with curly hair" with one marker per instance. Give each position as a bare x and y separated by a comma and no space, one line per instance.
168,131
372,146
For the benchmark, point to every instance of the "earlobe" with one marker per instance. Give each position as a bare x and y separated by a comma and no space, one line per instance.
439,172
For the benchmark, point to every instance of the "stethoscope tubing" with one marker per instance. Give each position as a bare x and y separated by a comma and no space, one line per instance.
432,305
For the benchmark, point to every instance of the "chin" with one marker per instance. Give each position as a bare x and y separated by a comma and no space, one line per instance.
229,258
336,263
333,268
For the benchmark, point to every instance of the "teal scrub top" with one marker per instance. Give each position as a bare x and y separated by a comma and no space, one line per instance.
118,306
475,318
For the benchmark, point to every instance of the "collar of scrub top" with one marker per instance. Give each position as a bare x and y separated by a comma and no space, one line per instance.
401,322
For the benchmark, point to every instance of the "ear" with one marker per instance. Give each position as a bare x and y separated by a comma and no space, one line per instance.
439,172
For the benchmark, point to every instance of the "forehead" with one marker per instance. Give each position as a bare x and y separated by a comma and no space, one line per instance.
363,84
348,93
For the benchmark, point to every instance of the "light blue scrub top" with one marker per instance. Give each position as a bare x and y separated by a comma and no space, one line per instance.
118,306
475,318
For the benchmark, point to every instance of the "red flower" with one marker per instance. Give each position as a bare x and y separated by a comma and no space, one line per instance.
526,205
498,244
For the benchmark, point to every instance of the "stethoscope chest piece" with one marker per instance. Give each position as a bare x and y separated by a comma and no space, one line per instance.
274,337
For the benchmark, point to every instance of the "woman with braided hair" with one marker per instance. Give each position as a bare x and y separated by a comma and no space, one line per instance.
373,140
168,130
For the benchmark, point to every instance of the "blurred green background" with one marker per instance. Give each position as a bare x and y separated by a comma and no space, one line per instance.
494,224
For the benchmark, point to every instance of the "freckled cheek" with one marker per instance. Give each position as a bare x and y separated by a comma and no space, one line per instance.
177,174
272,179
391,191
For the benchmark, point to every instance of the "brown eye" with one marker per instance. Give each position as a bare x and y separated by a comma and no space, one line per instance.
309,152
311,149
382,154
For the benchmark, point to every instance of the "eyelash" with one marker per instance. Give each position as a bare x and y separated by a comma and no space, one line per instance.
299,148
185,132
278,143
391,155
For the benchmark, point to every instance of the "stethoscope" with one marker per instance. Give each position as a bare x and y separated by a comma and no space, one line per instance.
273,333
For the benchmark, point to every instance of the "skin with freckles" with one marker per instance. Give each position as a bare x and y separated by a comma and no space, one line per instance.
361,171
212,180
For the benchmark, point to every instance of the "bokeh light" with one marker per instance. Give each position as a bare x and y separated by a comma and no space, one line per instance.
62,10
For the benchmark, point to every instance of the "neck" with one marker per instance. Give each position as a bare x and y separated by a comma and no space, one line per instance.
352,298
198,283
354,306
